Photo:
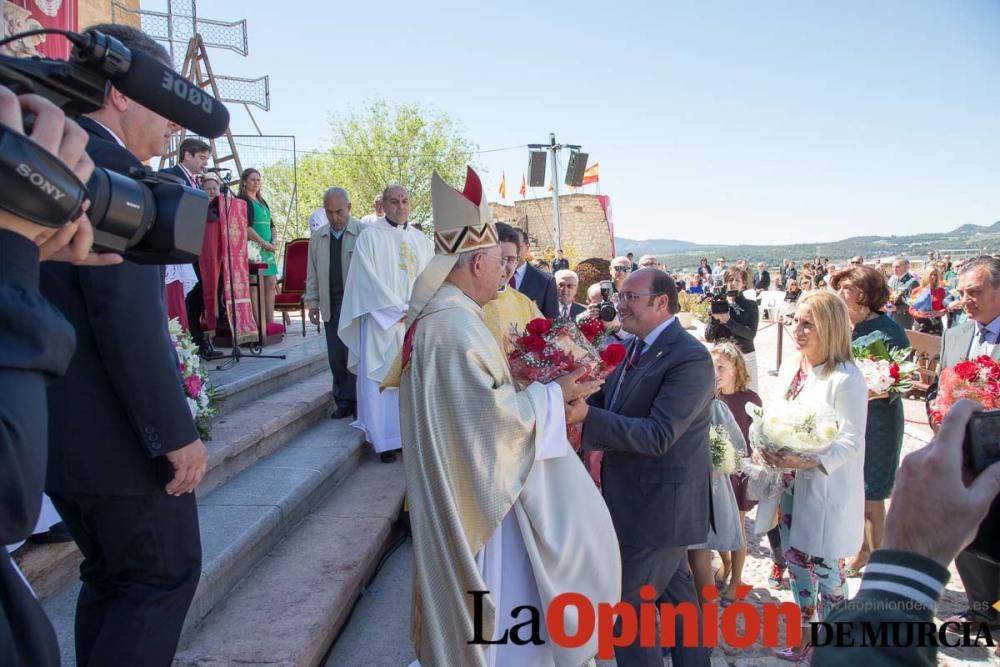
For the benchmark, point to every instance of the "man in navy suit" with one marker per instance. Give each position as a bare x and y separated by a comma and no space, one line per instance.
538,286
124,453
193,156
651,420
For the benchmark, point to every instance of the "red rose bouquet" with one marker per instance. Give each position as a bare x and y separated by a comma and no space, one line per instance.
549,349
977,379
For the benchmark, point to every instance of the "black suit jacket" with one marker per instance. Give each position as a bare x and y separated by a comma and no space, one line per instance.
120,407
178,172
541,288
575,309
762,280
657,463
35,345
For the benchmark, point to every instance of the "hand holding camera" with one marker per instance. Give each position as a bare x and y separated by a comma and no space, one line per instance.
937,504
65,141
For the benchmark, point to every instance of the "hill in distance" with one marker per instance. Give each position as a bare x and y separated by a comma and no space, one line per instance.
964,240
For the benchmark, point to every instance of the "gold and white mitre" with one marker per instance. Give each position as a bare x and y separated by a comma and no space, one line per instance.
462,222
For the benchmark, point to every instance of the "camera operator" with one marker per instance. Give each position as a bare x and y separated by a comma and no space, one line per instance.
36,344
739,323
936,511
124,454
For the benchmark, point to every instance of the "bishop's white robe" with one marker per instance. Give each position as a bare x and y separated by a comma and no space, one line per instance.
385,263
496,501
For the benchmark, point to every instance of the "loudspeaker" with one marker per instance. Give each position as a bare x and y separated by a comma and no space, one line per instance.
575,167
536,168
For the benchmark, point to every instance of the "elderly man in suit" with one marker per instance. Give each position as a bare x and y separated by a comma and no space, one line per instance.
537,285
979,287
330,249
567,283
651,420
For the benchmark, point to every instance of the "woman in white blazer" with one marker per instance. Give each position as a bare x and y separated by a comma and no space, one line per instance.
822,508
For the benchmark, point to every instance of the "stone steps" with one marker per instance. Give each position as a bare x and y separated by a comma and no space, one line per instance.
239,438
254,378
247,515
291,606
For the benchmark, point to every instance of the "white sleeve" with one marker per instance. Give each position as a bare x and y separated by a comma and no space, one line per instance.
550,441
387,317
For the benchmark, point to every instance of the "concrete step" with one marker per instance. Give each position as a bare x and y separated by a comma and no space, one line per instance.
290,608
245,517
254,378
239,439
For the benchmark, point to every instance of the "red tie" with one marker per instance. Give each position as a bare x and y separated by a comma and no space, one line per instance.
511,282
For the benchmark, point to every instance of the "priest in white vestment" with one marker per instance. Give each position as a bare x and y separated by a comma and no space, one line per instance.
498,500
388,257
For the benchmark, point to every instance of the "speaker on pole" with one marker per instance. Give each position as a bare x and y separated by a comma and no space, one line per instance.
536,168
575,167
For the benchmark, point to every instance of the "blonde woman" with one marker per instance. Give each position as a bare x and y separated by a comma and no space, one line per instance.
732,387
822,508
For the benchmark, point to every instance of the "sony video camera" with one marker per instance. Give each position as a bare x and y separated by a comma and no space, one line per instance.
605,309
146,216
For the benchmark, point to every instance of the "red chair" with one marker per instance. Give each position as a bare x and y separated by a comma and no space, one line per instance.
292,287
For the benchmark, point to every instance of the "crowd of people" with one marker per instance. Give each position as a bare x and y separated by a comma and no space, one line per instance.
499,501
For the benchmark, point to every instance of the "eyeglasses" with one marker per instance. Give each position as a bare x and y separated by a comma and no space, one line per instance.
855,262
511,259
620,269
629,297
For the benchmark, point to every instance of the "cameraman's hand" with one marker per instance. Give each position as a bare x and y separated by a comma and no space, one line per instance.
190,464
65,139
593,311
936,505
722,318
314,315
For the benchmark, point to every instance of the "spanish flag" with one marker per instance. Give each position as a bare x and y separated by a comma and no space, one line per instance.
590,175
524,187
503,185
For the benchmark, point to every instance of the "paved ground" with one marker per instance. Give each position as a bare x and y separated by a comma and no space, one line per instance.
378,633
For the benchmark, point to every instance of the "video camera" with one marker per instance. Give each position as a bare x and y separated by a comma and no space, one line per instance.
146,216
605,309
721,297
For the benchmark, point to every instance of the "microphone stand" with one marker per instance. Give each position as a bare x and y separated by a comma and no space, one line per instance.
255,348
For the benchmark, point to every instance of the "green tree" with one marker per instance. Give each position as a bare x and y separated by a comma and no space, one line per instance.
380,144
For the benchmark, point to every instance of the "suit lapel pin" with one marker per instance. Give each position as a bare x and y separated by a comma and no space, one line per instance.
659,354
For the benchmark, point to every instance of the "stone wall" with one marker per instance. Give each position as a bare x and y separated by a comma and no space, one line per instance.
585,231
99,11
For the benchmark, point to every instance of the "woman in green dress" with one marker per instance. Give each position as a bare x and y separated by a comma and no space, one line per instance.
262,232
866,292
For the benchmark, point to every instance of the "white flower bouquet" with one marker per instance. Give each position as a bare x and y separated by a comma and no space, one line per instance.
788,427
202,397
253,253
724,457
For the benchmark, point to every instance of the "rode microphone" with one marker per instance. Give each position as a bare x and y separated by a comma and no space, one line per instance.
151,83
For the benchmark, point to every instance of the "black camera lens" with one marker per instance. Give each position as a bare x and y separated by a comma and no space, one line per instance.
122,210
607,311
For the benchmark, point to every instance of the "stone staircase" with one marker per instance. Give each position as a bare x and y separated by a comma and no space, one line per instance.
295,513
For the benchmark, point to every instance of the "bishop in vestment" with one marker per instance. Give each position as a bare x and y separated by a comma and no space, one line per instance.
498,503
387,259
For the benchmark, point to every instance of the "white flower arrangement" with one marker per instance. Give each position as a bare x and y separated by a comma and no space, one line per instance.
878,374
202,397
724,457
790,427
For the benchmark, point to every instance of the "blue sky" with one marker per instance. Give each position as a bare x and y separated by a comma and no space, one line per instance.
753,121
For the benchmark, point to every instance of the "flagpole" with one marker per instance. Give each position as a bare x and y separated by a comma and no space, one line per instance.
553,149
